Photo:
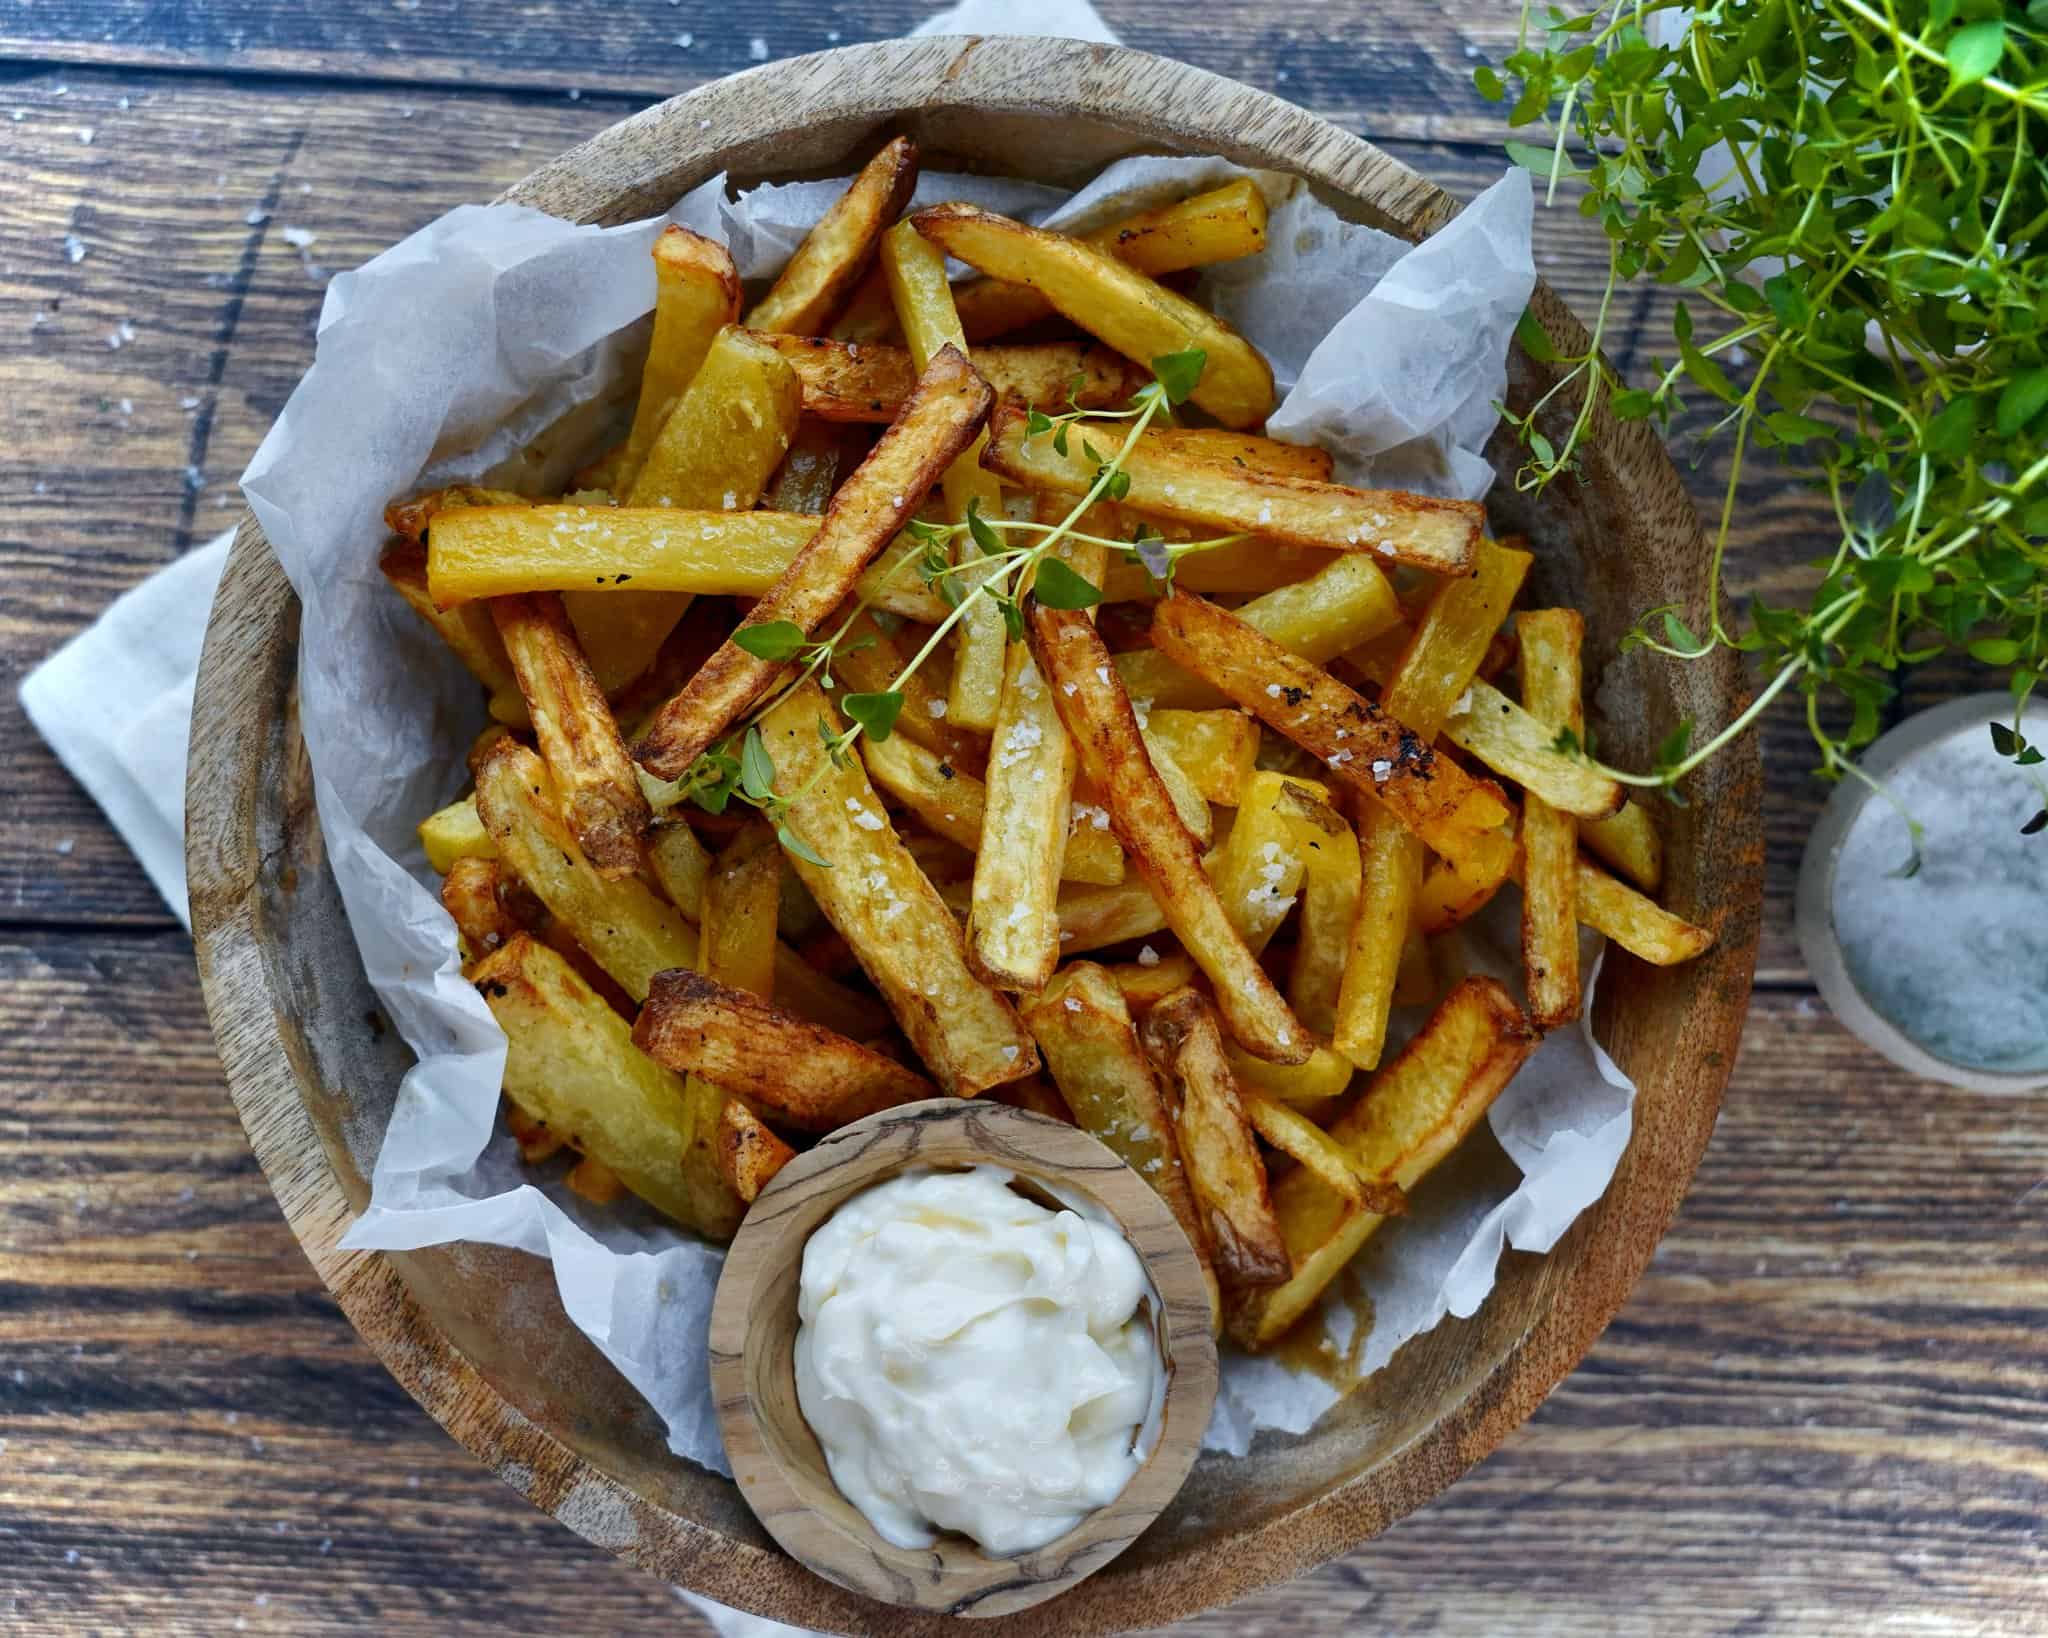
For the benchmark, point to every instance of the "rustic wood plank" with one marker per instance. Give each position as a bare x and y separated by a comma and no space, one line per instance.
160,201
1401,70
1821,1403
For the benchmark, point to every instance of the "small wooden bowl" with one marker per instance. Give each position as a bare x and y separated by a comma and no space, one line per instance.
477,1334
774,1455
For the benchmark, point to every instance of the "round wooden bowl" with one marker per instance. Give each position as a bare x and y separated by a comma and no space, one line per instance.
775,1457
476,1334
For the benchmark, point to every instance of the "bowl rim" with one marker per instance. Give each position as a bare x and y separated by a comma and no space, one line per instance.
246,681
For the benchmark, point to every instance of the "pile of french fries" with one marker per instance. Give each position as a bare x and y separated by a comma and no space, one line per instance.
1161,860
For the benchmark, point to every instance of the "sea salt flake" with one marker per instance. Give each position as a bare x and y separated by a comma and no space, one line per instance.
1148,957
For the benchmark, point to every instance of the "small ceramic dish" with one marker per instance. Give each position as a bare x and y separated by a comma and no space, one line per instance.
775,1458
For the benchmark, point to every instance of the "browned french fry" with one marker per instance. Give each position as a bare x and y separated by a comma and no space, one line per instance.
1550,642
1036,1094
1627,839
1093,1054
594,780
469,893
898,926
1416,982
834,255
1110,751
696,294
1450,640
1421,530
1218,226
872,662
1417,1110
811,1078
810,471
1390,872
1361,745
749,1154
570,1063
1136,315
1302,1140
692,641
1229,1182
865,381
938,421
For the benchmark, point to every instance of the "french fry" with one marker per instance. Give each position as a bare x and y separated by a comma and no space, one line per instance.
1036,1094
1217,750
955,805
469,893
594,781
1391,865
696,294
1343,604
1329,902
869,314
1416,980
1627,839
1224,1171
455,832
592,1180
570,1062
1303,1141
749,1154
1310,1085
1361,745
872,662
736,935
812,1079
811,994
1218,226
867,382
469,631
1451,893
938,421
1615,910
728,432
1094,1056
411,519
1258,870
627,930
1417,1110
1094,917
1109,750
1143,983
1246,451
536,1142
916,275
603,550
1421,530
1180,787
1550,642
1516,744
690,642
1249,567
1451,638
835,253
1135,314
810,471
873,893
679,863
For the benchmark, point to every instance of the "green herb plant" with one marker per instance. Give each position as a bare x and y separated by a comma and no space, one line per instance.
740,768
1853,194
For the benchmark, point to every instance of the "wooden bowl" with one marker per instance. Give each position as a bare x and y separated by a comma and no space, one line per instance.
476,1334
776,1459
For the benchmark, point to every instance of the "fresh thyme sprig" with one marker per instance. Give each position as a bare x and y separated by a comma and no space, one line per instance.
1857,191
739,767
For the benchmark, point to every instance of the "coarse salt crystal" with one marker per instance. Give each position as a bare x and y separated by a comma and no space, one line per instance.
1381,768
935,707
1148,957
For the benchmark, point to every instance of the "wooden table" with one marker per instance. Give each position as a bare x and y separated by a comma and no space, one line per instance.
1822,1409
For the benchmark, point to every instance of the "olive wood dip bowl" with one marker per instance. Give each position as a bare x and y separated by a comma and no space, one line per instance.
477,1335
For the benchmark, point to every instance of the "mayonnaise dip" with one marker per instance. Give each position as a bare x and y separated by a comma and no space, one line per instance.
973,1361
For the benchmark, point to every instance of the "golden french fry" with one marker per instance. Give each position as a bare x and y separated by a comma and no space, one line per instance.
536,1142
696,294
916,275
1550,644
411,519
1181,789
749,1154
742,894
469,893
1417,982
1111,753
1218,226
865,381
887,911
1038,1095
811,1078
1454,893
1312,1085
1247,567
1443,654
1092,917
1184,1039
690,642
1363,746
834,255
1303,1141
810,471
1517,744
594,1181
1152,977
728,432
955,804
605,550
570,1063
938,421
1094,1056
1135,314
1217,750
1246,451
594,781
1617,911
1329,902
469,631
455,832
869,313
1390,861
873,662
1420,530
1258,870
627,930
1627,839
679,863
1417,1110
811,994
1343,604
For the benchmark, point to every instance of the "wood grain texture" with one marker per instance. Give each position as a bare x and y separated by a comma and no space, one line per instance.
775,1456
1820,1408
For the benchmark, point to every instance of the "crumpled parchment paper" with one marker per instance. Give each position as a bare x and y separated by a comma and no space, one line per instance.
498,343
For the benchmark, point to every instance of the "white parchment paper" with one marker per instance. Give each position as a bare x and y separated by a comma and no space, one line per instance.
498,343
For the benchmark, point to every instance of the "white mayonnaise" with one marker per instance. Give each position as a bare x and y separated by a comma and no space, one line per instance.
973,1361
